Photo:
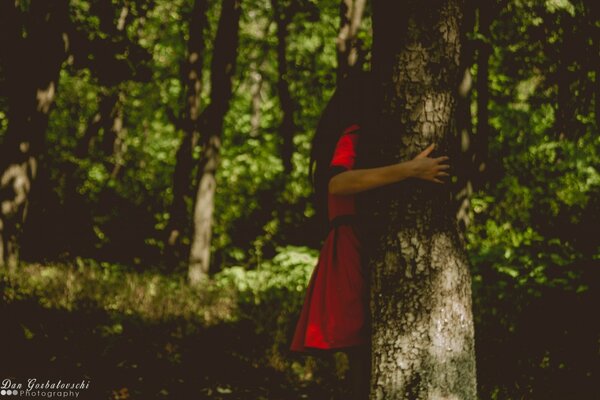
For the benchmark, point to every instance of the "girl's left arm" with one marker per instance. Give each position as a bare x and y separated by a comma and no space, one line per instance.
360,180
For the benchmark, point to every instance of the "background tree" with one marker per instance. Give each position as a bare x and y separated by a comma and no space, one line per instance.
348,44
283,13
191,79
423,338
222,71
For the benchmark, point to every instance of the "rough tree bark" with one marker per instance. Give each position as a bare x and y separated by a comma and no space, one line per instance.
423,335
189,122
351,14
222,71
34,46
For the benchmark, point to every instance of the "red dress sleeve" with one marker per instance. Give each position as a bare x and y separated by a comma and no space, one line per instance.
345,149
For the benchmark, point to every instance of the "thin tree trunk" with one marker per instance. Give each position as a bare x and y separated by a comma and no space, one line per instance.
351,14
189,122
590,60
99,121
461,147
113,136
423,336
222,71
114,133
31,65
287,127
76,229
596,56
482,135
564,100
256,93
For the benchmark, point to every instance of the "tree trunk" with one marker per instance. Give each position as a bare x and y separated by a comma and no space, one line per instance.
597,79
256,94
423,336
191,76
462,146
287,128
113,136
565,117
351,13
32,62
222,71
482,135
100,121
596,56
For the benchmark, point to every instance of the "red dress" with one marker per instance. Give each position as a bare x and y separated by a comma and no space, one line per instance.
334,312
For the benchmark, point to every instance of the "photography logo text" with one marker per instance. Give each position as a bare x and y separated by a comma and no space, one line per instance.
49,389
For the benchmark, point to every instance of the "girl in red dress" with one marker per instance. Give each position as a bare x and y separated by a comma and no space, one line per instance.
334,316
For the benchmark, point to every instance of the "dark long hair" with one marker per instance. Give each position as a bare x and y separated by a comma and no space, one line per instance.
351,103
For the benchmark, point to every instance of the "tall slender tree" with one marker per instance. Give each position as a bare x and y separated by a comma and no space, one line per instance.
485,13
283,13
189,122
594,12
423,335
222,71
462,146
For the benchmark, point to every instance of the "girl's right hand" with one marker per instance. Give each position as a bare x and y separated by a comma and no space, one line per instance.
430,169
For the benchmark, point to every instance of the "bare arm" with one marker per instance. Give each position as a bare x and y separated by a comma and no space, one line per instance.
360,180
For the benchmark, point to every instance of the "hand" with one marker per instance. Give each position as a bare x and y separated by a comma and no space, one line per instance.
430,169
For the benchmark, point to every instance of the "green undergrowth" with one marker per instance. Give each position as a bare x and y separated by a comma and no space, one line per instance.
226,338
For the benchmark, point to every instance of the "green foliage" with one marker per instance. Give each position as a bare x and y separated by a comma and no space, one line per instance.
532,242
280,281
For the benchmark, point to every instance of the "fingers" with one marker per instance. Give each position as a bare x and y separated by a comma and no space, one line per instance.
437,177
429,149
442,159
426,152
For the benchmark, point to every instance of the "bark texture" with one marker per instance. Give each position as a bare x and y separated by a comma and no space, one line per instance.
33,45
422,323
222,71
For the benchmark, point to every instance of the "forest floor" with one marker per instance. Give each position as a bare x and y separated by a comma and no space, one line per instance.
128,356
